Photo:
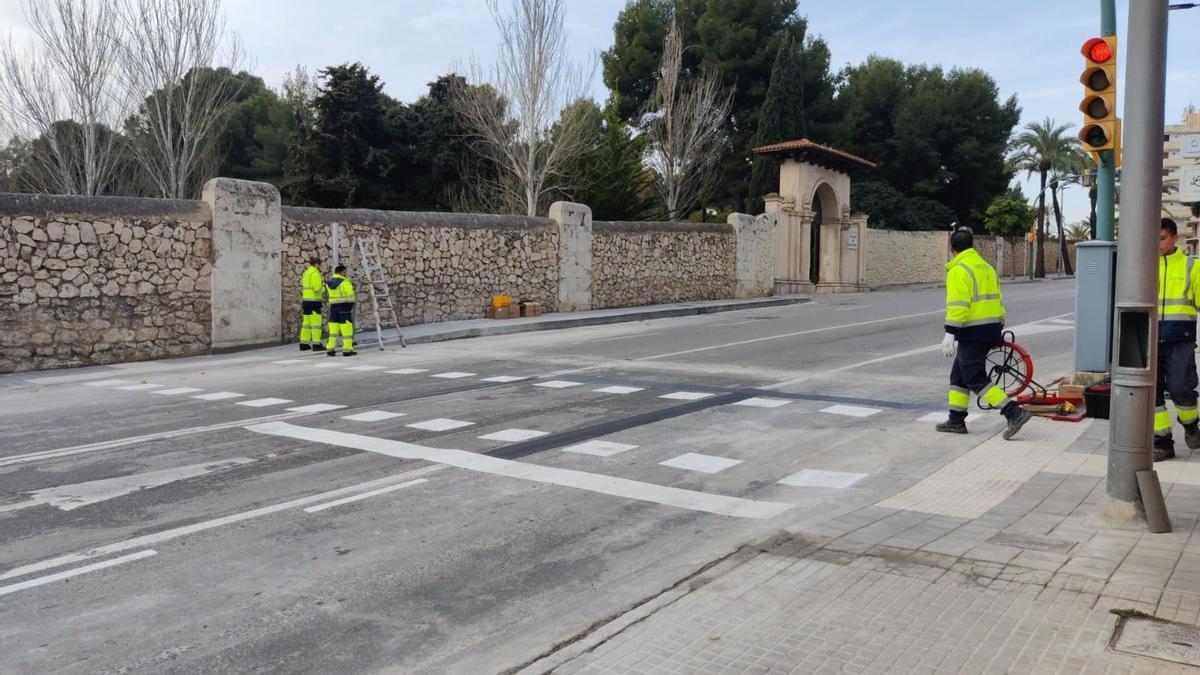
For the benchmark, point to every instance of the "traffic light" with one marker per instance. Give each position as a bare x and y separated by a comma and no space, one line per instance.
1101,128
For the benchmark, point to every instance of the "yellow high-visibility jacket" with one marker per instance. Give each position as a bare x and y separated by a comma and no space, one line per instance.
312,285
1178,284
974,304
340,290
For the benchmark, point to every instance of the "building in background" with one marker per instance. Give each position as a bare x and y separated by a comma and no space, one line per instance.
1173,163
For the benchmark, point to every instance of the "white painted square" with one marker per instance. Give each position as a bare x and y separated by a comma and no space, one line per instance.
851,411
317,408
558,384
599,448
441,424
330,364
407,371
619,390
825,479
176,391
513,435
139,387
943,416
366,368
764,402
686,395
693,461
105,383
289,361
373,416
454,375
504,378
219,396
264,402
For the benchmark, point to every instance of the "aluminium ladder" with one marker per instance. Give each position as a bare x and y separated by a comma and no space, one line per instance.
370,269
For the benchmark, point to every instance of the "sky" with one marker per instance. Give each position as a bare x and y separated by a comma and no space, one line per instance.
1030,47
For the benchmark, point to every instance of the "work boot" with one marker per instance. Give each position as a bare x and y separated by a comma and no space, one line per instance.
1191,435
350,353
1164,448
952,426
1017,417
331,352
305,347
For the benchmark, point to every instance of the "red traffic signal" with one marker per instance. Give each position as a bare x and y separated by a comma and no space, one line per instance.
1098,50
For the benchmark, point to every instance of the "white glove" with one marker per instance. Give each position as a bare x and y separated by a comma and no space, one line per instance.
949,346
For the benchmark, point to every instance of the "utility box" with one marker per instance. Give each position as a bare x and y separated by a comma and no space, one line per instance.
1095,276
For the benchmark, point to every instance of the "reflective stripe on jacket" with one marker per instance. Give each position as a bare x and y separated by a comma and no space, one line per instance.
1177,289
312,286
340,290
974,305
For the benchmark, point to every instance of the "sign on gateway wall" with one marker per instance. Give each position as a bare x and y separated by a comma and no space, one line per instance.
1189,184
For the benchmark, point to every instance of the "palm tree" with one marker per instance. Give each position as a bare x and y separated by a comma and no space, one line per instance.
1045,147
1081,231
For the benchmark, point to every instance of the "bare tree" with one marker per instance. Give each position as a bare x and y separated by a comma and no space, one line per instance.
63,95
686,130
175,62
533,133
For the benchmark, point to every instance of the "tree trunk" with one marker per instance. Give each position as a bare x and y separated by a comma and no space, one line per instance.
1039,265
1063,253
1092,214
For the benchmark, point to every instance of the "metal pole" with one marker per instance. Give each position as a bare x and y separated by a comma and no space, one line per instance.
335,237
1135,351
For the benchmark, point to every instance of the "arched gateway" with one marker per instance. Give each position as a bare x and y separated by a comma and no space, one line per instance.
818,243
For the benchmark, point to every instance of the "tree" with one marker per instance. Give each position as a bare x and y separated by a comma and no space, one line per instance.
171,55
256,133
889,209
1009,215
537,83
610,173
686,131
1080,231
799,104
1039,149
65,93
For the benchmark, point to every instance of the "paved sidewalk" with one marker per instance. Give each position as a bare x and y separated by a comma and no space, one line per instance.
1010,573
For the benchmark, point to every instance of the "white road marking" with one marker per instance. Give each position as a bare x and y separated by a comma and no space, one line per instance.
408,371
289,361
599,448
219,396
504,378
317,408
763,402
686,395
558,384
454,375
175,533
331,364
441,424
788,335
694,461
625,337
514,435
366,368
264,402
105,383
51,578
71,497
176,391
826,479
373,416
618,487
139,387
619,390
365,495
851,410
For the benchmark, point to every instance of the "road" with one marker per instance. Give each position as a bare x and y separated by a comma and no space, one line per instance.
455,507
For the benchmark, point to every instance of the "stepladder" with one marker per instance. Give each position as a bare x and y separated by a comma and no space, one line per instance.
373,279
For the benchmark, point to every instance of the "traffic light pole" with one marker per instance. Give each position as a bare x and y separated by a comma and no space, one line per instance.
1135,350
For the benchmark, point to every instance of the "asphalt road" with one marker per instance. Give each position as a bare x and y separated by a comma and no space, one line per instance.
468,505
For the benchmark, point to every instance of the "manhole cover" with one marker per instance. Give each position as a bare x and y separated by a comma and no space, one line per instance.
1164,640
1032,542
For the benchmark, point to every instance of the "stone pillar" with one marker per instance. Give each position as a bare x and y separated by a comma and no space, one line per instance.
860,230
574,225
755,267
246,247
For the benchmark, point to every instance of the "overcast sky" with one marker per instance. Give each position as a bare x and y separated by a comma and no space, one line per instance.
1030,47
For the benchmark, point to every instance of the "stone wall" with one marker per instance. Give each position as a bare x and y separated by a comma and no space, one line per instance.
895,258
442,266
102,280
651,263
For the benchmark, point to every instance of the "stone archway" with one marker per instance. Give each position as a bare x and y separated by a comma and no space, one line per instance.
818,243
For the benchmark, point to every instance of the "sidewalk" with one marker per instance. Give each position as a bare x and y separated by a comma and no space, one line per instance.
996,563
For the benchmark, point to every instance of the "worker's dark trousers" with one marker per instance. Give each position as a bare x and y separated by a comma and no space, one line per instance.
1177,375
969,375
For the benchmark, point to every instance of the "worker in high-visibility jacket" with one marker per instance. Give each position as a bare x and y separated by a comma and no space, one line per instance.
341,313
312,295
974,319
1178,289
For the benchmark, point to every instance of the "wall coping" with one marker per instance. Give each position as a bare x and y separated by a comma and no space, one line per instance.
87,208
405,219
638,226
